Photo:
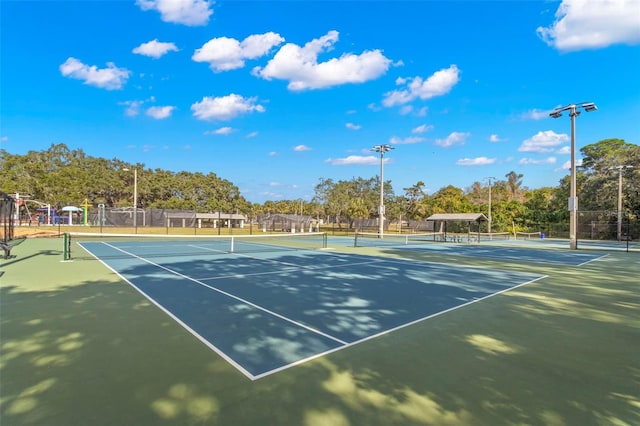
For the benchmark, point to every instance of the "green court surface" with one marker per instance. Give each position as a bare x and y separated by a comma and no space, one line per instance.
82,346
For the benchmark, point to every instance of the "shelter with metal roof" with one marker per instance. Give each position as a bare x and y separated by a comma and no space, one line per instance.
442,219
458,217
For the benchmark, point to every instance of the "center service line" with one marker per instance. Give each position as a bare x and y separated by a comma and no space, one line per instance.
240,299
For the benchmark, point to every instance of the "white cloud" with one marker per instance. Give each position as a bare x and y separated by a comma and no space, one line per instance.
301,148
549,160
4,139
224,54
300,66
422,112
225,107
591,24
406,109
438,84
155,48
565,150
422,129
221,131
567,164
495,138
406,141
110,78
535,114
478,161
355,160
272,154
252,135
545,141
187,12
258,45
353,126
160,112
133,107
455,138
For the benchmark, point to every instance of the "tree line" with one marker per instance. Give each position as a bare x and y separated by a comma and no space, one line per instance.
60,176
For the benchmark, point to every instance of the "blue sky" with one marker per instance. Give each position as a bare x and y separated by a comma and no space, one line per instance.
274,95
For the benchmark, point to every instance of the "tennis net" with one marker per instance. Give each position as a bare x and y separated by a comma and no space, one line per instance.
370,239
151,245
527,235
490,236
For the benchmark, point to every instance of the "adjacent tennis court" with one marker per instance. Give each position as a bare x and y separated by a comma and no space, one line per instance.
265,305
486,250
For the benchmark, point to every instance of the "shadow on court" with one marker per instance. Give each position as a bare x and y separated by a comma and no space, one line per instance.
88,349
267,313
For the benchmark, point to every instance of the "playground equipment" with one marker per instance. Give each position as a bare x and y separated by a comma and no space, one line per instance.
45,214
22,211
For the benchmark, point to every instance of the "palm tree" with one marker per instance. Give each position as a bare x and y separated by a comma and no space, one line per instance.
514,182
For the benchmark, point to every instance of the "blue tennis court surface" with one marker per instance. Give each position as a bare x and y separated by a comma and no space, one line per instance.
516,254
267,311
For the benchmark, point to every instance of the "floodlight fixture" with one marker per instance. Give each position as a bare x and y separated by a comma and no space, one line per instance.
381,149
573,199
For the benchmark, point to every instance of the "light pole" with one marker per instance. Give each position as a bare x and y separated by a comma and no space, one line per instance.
382,149
135,198
573,199
489,223
620,168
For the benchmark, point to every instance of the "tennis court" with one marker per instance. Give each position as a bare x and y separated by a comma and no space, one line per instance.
508,250
265,308
80,345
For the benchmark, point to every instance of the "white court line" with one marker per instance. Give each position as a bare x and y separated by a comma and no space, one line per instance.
391,330
593,260
321,354
240,299
294,266
207,343
291,269
250,257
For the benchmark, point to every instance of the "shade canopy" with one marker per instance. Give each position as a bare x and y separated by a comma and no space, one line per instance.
458,217
71,209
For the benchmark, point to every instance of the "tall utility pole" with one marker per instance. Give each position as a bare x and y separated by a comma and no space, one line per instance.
620,168
382,149
573,198
489,223
135,198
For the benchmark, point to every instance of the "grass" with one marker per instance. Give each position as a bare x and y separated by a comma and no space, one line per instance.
81,347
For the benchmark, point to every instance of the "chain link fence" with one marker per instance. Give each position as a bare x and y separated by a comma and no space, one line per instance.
605,225
7,207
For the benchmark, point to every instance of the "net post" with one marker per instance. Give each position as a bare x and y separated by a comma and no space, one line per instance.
66,250
232,248
355,239
324,240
